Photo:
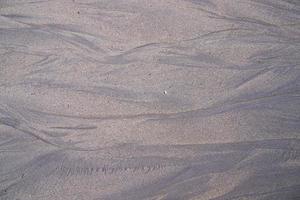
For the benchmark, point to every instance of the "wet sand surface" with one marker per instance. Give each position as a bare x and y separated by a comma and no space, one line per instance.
149,100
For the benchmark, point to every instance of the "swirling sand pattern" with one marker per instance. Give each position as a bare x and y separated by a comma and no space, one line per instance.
156,100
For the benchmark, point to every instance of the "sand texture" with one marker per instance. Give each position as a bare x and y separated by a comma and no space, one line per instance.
149,99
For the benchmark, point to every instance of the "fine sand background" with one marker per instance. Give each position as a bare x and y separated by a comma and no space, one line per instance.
149,100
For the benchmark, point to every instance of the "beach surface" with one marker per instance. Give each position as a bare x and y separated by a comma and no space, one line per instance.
149,99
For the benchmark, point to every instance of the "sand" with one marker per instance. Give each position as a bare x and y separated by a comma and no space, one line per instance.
156,100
